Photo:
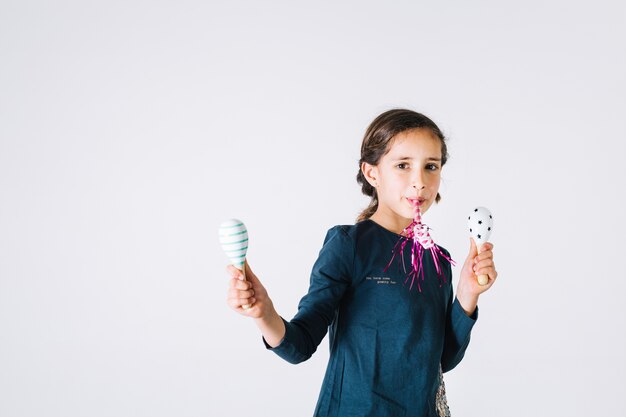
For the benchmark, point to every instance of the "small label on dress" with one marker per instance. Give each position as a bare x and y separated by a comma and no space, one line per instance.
381,280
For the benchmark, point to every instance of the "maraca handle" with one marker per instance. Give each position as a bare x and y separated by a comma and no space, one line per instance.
243,278
482,279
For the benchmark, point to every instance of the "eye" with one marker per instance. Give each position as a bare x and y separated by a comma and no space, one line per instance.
432,167
402,165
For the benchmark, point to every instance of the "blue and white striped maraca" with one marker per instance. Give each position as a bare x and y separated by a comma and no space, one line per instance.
234,241
480,224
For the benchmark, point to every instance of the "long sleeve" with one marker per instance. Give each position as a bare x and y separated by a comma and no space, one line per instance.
330,277
458,329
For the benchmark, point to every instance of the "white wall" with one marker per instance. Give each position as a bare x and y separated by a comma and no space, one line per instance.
130,129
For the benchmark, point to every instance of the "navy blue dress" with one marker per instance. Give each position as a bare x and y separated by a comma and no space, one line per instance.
387,343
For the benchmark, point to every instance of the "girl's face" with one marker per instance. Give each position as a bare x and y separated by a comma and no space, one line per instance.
410,172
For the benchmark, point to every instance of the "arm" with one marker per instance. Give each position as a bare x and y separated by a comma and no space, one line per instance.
251,292
272,328
330,277
463,311
458,330
297,340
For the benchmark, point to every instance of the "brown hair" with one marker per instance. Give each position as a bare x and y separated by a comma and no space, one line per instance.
379,135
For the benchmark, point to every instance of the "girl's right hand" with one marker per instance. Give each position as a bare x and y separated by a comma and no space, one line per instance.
250,292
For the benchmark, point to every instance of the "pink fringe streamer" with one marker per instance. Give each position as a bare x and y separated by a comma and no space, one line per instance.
417,232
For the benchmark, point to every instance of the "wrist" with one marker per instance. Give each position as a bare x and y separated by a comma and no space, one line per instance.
268,317
467,301
272,327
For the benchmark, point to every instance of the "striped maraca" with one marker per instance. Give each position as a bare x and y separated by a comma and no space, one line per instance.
480,224
234,241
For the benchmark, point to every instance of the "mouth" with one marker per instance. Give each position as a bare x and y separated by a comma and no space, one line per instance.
417,201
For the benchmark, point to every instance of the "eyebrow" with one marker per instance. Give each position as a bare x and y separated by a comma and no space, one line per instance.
408,158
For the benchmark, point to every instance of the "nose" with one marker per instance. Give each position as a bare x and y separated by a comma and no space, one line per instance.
418,182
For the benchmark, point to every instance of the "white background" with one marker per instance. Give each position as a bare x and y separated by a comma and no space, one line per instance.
130,129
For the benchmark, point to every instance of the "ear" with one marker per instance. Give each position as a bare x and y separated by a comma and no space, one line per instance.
370,172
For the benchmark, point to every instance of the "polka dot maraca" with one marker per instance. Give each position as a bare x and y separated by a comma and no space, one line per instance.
480,225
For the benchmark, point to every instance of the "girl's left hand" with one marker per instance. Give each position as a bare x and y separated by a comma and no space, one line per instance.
476,264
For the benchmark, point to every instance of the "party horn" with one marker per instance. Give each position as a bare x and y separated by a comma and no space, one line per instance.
234,241
480,223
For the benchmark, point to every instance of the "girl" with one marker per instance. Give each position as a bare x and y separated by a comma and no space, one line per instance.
388,343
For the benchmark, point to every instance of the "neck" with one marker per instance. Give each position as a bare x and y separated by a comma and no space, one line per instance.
393,223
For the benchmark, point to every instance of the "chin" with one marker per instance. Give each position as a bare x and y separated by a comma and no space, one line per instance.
426,208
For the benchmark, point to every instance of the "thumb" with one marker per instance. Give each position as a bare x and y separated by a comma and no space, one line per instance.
473,251
250,276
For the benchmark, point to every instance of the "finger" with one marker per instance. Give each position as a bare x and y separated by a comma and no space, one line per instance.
493,275
485,263
234,272
234,293
243,302
490,272
239,303
233,303
482,271
237,284
483,256
243,285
